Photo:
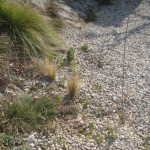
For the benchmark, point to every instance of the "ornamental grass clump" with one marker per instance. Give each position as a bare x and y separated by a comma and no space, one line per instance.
30,33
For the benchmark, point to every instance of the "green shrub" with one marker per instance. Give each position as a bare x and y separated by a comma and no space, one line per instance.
97,87
70,55
111,132
86,102
100,64
84,48
30,32
100,139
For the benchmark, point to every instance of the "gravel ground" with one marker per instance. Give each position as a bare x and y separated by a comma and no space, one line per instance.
98,126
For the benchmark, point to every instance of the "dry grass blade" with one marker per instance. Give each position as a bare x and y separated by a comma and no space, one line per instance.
73,86
46,68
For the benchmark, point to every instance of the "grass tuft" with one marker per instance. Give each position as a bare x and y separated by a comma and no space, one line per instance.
73,86
47,69
29,31
111,132
27,113
70,55
97,87
84,48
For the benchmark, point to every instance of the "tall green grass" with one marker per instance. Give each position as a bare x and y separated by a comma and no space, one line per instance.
31,34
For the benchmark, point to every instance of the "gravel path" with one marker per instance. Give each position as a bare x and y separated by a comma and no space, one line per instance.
99,127
105,39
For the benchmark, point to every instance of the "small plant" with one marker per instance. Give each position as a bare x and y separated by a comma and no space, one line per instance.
97,87
90,130
61,61
111,132
100,64
122,117
100,113
91,126
73,86
8,141
47,69
73,65
84,48
100,139
62,83
88,135
70,55
146,143
90,15
86,103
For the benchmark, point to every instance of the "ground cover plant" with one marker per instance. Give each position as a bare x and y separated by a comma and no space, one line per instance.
73,86
26,113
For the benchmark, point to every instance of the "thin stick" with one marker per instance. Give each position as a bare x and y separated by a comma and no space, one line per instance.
124,54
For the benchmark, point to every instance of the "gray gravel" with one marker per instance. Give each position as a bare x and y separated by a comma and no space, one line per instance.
105,40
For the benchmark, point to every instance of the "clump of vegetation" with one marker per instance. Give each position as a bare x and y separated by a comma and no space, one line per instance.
73,86
9,141
100,64
70,55
122,117
90,130
111,132
86,102
97,87
47,69
26,113
100,139
62,83
73,65
84,48
29,31
90,15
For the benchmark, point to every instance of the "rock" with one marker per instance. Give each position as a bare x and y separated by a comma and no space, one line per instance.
31,138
